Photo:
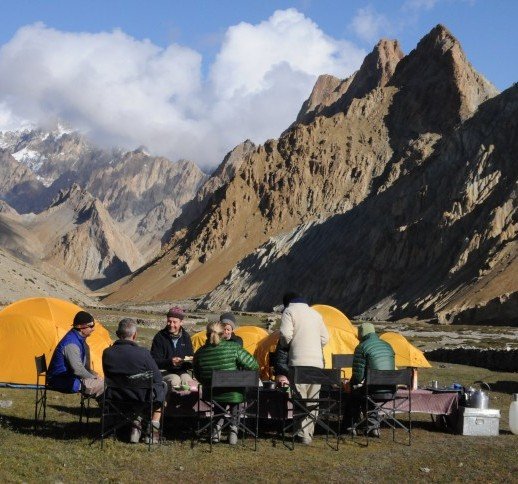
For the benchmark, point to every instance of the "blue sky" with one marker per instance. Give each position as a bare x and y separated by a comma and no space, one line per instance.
192,79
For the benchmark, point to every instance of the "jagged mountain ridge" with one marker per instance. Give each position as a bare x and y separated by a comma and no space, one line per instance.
322,167
440,242
75,236
143,192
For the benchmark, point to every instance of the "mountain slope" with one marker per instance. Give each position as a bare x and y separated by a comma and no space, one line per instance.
349,150
440,242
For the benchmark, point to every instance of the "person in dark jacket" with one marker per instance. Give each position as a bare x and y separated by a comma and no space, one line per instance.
69,369
126,358
172,350
229,323
280,362
220,354
374,353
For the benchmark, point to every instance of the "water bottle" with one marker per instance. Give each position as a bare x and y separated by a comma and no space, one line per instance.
513,415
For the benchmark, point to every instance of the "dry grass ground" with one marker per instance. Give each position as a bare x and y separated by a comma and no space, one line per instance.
61,452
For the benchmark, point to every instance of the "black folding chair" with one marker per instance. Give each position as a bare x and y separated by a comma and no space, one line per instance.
232,380
40,404
318,408
382,402
119,409
341,361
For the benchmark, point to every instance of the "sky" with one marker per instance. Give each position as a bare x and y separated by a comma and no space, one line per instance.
194,79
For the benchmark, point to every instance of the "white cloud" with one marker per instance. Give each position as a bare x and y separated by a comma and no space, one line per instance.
370,25
128,92
420,4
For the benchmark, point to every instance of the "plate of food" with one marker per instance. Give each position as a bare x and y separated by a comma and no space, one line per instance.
188,358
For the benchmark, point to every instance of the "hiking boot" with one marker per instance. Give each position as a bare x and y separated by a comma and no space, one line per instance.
136,430
374,432
232,436
304,440
216,434
152,434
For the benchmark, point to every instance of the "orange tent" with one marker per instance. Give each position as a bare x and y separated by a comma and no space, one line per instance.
342,340
31,327
406,353
335,317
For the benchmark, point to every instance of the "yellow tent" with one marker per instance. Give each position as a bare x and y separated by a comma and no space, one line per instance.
251,336
31,327
342,340
406,353
334,317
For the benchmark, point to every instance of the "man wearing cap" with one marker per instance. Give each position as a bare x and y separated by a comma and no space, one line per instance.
374,353
69,369
171,348
229,322
303,331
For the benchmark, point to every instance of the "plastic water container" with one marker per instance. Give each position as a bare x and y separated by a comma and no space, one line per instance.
513,415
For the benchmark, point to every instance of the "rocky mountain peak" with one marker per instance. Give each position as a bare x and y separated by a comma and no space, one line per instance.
438,87
331,95
75,196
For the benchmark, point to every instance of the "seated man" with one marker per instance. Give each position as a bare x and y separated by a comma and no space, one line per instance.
172,348
374,353
70,364
126,358
229,323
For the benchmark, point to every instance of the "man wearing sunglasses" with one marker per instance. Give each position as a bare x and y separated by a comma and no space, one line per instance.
69,369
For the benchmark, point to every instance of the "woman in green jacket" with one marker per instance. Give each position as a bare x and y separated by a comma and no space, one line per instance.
220,354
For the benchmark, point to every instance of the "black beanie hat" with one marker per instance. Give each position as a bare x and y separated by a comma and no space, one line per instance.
288,297
82,318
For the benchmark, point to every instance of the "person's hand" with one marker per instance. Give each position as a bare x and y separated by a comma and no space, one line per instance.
347,386
177,361
282,380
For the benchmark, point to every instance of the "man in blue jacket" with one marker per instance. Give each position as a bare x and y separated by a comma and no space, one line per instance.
69,367
172,350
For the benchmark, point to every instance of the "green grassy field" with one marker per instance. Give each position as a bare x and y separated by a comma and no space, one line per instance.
61,451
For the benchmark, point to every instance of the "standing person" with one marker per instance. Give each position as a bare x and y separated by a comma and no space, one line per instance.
229,323
69,369
221,354
303,329
172,350
126,358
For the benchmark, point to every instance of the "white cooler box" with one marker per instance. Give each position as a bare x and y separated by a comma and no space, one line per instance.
478,421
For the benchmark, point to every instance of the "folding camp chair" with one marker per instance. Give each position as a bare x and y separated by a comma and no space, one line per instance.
382,402
119,409
318,408
341,361
40,404
232,380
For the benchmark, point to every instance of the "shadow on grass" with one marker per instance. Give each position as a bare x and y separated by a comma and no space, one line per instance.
52,429
504,386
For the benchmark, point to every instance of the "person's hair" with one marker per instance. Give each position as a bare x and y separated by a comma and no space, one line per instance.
288,297
82,318
215,331
127,328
